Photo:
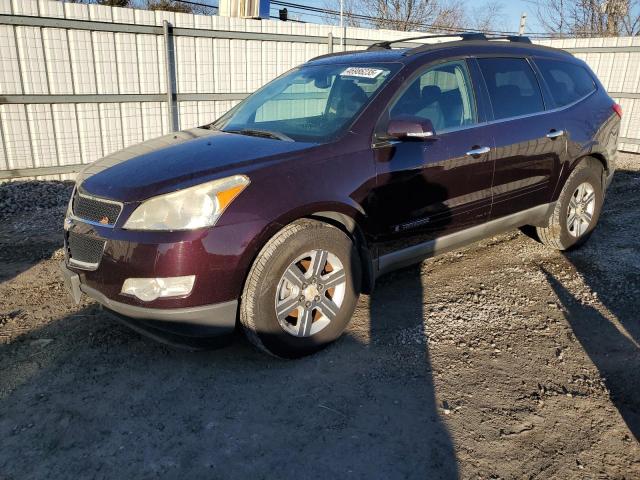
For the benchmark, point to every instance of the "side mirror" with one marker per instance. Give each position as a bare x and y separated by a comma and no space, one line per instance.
411,128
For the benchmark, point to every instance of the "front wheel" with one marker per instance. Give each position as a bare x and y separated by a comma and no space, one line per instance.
578,208
302,290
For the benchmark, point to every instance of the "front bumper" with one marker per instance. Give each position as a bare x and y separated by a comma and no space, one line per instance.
212,320
219,258
609,178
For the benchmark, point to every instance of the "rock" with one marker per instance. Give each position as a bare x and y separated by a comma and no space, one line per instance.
17,198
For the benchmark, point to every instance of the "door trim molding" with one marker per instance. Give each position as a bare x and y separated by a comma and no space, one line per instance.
417,253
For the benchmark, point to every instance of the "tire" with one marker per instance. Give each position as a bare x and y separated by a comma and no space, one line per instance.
267,287
558,234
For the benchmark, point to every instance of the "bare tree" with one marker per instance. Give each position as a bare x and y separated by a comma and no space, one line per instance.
439,16
400,15
169,5
489,17
194,6
451,17
115,3
110,3
585,18
350,17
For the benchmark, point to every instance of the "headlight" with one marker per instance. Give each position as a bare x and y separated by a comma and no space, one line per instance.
188,209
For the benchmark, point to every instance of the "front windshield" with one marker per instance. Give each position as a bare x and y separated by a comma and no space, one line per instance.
313,103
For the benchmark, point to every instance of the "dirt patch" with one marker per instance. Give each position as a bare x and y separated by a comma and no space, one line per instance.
504,360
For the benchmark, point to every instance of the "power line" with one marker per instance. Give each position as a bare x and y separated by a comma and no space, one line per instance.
197,4
217,8
324,12
369,18
277,17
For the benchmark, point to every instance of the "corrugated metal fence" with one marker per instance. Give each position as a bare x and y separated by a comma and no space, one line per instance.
78,82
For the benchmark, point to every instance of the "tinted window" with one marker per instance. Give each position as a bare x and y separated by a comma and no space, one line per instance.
441,94
513,87
568,82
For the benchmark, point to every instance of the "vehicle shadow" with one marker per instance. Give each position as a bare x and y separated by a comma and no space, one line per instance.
606,324
397,330
398,325
610,346
85,396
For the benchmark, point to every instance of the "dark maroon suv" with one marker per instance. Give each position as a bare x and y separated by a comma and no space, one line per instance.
278,215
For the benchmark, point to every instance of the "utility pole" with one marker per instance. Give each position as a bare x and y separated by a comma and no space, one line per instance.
523,22
342,29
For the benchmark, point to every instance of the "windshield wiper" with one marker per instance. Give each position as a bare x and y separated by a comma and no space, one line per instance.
261,133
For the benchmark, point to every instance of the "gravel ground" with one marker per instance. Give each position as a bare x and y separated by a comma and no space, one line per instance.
503,360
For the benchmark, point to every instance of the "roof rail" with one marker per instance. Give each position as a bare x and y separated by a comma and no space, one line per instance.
512,38
464,35
471,36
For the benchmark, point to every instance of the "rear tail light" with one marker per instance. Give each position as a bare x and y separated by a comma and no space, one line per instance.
618,109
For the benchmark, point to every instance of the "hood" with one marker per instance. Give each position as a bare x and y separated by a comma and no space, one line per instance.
176,161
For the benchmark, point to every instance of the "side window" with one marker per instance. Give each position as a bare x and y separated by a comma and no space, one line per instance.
442,94
513,87
568,82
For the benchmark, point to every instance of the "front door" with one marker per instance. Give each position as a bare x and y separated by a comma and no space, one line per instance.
433,187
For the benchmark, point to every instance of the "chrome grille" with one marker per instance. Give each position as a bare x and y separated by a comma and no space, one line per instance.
95,210
84,251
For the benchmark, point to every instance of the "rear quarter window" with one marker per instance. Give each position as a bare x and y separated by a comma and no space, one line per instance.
568,82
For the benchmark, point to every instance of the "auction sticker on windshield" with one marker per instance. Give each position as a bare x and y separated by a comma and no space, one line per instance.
362,72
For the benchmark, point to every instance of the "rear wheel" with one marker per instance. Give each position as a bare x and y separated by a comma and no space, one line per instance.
578,208
302,290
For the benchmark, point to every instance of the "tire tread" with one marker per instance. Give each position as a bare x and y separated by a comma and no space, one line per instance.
551,234
247,315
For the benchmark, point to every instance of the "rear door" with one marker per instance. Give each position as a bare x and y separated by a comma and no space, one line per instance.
430,188
530,140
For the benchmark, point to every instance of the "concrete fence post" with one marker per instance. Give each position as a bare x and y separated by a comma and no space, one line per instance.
171,81
330,42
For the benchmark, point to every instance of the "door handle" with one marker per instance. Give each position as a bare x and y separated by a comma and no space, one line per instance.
478,151
555,133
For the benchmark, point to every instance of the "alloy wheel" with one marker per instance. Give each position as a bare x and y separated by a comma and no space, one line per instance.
310,293
581,207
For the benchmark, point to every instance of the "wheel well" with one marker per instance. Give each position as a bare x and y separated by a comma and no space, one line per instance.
350,227
600,158
597,157
602,161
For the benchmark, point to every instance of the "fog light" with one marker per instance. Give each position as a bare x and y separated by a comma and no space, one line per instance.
148,289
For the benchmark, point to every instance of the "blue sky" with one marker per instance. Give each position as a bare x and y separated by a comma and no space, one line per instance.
511,8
